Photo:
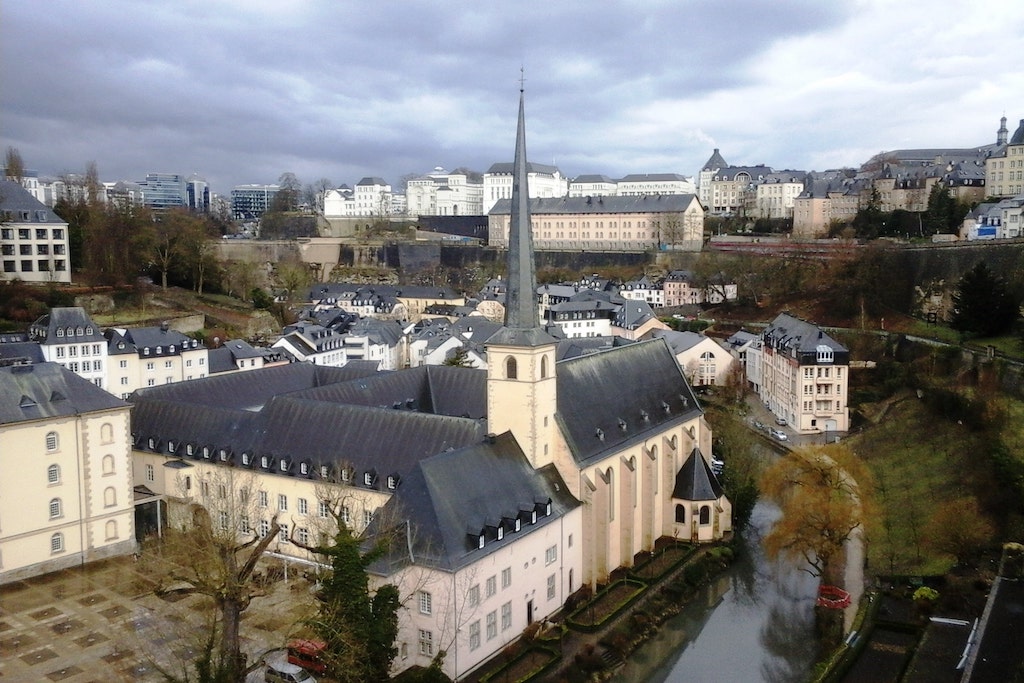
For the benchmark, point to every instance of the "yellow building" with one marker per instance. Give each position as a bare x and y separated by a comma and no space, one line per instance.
65,472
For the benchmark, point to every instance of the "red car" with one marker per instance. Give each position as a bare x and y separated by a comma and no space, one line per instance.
306,653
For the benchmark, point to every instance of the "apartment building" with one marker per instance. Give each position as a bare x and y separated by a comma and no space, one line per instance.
544,182
34,244
801,374
147,356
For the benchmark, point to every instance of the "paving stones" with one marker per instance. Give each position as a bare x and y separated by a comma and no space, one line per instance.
103,624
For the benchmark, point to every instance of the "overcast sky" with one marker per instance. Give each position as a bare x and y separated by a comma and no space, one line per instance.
240,91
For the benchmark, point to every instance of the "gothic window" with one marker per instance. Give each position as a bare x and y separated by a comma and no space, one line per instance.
511,368
680,514
705,514
543,367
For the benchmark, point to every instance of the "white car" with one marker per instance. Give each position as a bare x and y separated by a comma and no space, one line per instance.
283,672
779,434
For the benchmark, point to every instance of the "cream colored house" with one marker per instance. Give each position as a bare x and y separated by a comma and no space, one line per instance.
802,375
65,472
704,361
147,356
1004,169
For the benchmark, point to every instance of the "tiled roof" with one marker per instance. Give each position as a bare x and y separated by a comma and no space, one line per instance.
695,480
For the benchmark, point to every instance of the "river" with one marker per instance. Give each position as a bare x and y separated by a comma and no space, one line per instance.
755,622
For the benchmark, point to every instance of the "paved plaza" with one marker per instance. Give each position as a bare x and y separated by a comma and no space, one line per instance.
103,623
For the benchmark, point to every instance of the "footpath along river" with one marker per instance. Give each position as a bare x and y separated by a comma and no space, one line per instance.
753,623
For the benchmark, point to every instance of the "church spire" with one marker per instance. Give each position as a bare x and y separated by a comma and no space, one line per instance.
521,297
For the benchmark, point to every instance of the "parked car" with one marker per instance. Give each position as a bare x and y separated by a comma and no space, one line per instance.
759,426
306,653
283,672
781,421
779,434
717,466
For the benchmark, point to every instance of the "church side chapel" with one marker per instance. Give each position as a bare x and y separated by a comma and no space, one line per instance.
511,487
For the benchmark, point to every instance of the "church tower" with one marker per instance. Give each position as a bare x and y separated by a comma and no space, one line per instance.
521,391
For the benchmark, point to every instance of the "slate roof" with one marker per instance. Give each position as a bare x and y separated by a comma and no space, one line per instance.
451,498
47,390
44,330
383,442
250,390
15,198
714,162
650,177
592,178
609,399
139,338
433,389
695,480
579,346
800,339
679,341
652,203
506,168
21,352
1018,135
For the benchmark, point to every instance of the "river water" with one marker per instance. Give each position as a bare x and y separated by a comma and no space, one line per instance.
755,622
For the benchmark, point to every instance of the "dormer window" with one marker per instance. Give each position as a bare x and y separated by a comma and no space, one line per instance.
88,330
170,349
284,465
533,516
264,462
392,482
519,524
152,443
80,331
159,350
825,353
547,509
189,449
323,471
245,458
367,478
206,452
481,541
303,468
145,351
501,531
71,331
60,331
223,455
346,475
171,446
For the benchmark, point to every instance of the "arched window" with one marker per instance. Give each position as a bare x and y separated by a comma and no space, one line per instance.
56,509
57,543
705,514
511,368
109,497
111,530
106,433
53,474
680,514
611,494
108,464
52,442
543,367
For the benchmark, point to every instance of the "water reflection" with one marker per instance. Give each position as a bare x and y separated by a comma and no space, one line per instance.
754,623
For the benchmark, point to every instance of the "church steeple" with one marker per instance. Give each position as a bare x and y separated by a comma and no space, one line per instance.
1002,132
521,297
521,387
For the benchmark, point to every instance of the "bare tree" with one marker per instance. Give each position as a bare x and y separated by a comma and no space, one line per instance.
13,165
212,550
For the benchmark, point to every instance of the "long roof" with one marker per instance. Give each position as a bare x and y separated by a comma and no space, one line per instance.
612,398
651,203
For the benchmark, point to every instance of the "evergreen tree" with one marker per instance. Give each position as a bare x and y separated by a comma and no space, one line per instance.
359,629
983,305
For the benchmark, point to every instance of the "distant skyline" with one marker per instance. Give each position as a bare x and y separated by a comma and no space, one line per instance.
243,91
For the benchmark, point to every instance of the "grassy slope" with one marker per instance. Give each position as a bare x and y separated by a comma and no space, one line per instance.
920,460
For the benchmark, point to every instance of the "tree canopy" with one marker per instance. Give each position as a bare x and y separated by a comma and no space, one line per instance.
983,305
823,492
